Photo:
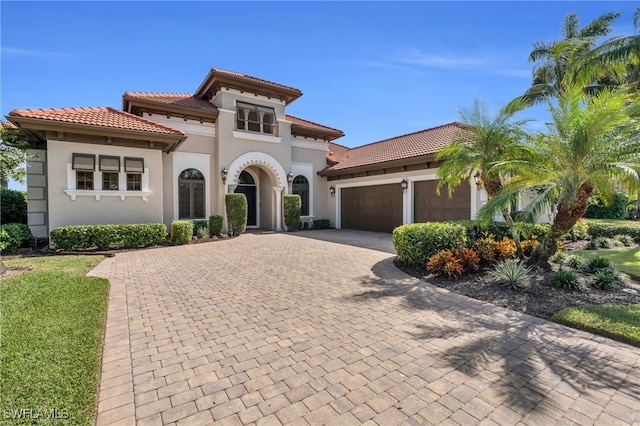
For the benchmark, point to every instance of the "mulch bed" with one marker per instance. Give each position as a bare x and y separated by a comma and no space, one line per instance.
537,298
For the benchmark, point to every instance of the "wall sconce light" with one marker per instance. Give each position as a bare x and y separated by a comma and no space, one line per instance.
477,179
290,178
404,184
332,191
224,174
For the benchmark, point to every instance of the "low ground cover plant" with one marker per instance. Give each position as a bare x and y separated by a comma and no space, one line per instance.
566,280
512,273
618,322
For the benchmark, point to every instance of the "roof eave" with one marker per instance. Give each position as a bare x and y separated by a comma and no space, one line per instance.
28,123
215,79
181,110
327,172
328,135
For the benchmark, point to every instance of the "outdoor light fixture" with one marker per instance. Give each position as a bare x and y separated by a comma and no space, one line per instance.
476,177
404,184
224,174
290,178
332,191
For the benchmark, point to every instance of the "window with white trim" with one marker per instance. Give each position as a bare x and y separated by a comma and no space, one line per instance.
134,167
109,165
255,118
84,166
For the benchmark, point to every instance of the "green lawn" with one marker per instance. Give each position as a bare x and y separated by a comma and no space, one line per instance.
618,322
52,324
626,260
621,322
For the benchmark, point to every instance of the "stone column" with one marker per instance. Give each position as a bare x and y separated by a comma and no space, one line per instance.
278,190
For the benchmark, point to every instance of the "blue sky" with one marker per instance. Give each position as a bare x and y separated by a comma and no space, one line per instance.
372,69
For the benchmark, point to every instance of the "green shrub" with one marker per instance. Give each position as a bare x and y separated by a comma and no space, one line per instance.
512,273
559,257
200,224
598,210
13,206
202,232
575,261
486,247
292,205
321,223
102,237
181,231
580,230
237,211
13,236
215,225
566,279
415,243
610,228
599,262
606,279
476,230
625,240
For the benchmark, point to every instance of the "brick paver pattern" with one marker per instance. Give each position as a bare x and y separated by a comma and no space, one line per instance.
280,328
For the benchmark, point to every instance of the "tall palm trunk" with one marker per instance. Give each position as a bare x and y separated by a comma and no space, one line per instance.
493,186
566,217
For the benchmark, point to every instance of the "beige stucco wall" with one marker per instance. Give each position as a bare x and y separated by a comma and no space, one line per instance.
309,156
86,210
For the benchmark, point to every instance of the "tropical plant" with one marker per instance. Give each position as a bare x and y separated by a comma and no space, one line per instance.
575,261
485,140
599,263
592,142
554,62
607,280
559,257
512,273
445,262
567,280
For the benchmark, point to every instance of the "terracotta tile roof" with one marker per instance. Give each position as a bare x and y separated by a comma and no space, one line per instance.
417,144
252,79
98,116
310,124
336,151
177,99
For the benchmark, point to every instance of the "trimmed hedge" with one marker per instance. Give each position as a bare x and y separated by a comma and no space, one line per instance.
292,208
181,231
237,211
321,223
415,243
13,206
476,230
616,210
611,228
215,225
103,237
13,236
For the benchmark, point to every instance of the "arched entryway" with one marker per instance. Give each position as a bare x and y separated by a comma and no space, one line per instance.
247,185
191,195
270,181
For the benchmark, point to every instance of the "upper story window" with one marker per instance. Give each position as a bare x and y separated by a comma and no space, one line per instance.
256,118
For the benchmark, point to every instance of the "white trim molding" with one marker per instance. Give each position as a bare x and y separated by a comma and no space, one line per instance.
256,137
261,159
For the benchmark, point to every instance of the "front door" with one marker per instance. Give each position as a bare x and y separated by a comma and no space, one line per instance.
247,186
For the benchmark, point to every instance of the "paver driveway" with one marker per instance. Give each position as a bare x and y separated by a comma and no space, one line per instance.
287,328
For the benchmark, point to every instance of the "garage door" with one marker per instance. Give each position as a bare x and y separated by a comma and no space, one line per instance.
372,208
431,207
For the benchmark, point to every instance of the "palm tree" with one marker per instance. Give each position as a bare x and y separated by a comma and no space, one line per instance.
553,70
592,142
485,140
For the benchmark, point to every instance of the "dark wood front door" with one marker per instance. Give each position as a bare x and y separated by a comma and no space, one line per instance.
252,207
431,207
372,208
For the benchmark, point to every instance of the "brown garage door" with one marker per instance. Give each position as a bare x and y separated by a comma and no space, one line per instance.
431,207
372,208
